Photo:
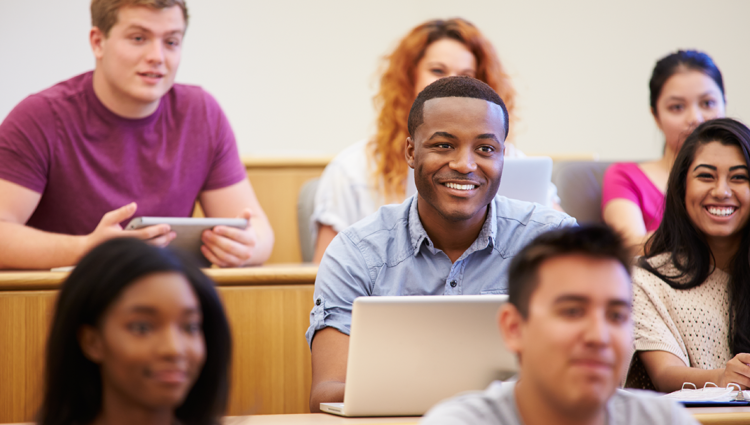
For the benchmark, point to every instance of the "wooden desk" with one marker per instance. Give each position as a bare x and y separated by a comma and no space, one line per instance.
315,419
721,415
268,308
704,415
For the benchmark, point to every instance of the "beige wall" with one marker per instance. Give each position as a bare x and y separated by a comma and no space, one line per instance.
296,77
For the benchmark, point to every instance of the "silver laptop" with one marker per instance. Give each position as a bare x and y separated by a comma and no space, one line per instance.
406,353
526,179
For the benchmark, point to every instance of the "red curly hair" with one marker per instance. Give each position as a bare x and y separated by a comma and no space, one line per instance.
396,94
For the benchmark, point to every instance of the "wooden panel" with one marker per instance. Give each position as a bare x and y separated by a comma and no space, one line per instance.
257,162
278,274
271,360
271,371
24,323
277,191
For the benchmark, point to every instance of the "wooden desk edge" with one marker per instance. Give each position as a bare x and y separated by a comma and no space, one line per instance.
265,275
258,162
728,418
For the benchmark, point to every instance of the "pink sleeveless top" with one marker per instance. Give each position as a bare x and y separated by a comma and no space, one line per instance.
627,181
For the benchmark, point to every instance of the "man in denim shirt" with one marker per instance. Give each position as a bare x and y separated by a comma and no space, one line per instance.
454,237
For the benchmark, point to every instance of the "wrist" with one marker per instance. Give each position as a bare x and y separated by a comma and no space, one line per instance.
84,244
719,377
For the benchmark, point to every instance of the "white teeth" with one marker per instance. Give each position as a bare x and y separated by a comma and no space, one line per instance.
721,211
460,186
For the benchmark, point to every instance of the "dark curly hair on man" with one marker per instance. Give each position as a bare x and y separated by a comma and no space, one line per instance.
459,86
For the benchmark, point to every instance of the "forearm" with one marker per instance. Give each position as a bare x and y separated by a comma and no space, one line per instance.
671,378
326,392
23,247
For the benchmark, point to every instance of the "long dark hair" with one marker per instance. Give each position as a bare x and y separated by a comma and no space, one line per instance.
73,383
673,63
690,253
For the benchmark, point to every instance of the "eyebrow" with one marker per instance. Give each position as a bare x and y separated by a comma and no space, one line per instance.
711,167
583,299
144,29
144,309
443,134
708,93
489,136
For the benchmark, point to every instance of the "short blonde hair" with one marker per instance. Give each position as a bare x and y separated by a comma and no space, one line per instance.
104,12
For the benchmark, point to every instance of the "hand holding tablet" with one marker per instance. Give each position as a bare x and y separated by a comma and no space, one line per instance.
229,246
190,234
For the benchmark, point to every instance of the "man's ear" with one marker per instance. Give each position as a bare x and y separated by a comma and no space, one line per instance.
511,323
90,341
409,153
97,40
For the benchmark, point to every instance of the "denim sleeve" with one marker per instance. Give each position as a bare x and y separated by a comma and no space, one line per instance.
343,275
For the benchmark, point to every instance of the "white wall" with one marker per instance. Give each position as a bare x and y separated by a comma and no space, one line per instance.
296,77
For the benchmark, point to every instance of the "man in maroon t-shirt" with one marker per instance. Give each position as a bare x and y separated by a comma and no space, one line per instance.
81,158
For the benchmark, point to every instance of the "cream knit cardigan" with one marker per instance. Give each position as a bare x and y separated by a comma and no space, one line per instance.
692,324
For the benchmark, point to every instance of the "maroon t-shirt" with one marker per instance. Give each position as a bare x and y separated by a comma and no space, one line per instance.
85,160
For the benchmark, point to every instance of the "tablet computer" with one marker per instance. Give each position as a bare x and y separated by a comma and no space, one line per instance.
188,230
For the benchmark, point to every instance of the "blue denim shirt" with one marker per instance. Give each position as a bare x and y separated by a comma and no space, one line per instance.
389,253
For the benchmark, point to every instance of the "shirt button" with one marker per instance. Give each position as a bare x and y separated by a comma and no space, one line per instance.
317,302
453,283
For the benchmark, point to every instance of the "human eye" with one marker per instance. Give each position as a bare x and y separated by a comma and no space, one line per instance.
486,149
442,145
571,312
675,107
618,316
437,71
173,42
193,328
705,175
709,103
740,177
140,328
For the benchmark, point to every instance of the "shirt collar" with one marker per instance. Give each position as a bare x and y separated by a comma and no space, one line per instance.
487,236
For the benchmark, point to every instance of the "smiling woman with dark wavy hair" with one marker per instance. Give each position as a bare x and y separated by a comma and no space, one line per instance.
692,288
139,335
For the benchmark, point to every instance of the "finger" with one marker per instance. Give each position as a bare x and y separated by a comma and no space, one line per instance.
213,258
743,357
221,245
149,232
119,215
735,378
242,236
163,240
740,368
246,214
230,253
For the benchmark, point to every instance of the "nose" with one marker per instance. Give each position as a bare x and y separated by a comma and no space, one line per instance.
721,190
597,330
695,116
463,161
171,344
155,54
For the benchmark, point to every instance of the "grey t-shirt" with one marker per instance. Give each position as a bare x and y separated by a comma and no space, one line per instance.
497,405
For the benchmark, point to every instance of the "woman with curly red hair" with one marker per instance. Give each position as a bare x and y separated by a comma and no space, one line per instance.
373,172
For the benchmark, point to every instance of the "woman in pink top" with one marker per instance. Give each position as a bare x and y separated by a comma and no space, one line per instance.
686,89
